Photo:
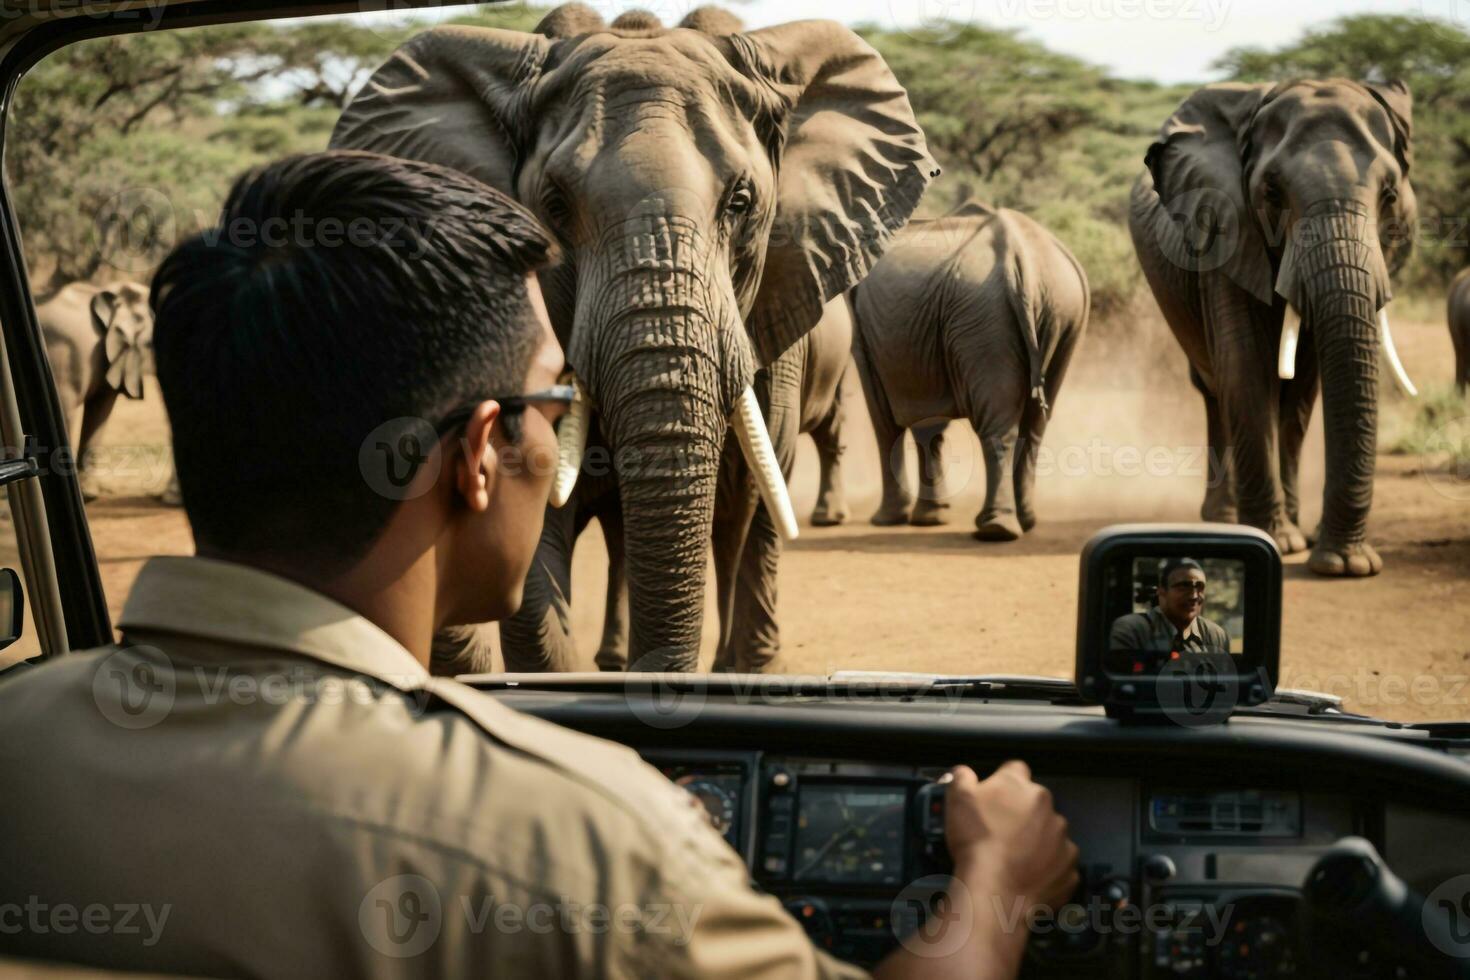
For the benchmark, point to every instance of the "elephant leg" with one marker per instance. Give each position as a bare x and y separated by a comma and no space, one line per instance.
735,505
897,497
1033,429
754,638
612,651
932,508
998,520
95,412
1298,399
1219,502
828,435
1244,354
538,638
1034,422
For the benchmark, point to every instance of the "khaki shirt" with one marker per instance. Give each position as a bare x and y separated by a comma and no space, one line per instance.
259,782
1151,632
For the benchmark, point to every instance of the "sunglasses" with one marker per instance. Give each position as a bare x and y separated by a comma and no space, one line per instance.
509,405
1198,588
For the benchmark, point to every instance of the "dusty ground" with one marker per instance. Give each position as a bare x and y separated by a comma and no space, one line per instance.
1122,448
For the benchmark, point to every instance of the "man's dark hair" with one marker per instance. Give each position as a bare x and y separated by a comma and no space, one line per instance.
1173,565
340,291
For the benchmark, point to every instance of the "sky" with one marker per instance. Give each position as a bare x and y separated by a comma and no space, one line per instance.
1163,40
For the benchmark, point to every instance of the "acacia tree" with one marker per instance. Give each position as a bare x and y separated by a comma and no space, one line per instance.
116,145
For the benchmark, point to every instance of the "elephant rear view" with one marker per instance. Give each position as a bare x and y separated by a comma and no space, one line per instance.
1459,314
975,316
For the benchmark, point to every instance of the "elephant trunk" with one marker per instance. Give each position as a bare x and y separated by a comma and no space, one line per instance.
665,369
1342,292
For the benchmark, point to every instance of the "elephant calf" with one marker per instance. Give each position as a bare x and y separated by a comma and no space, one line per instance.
1460,329
99,341
975,316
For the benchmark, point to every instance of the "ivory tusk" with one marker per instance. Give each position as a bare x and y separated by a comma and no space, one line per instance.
1291,334
755,443
1395,365
571,444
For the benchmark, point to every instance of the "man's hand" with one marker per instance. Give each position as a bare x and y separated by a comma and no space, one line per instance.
1011,854
1005,833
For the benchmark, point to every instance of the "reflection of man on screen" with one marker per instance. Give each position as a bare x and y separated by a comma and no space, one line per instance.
1175,624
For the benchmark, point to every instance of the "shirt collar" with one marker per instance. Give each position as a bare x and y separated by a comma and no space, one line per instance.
234,603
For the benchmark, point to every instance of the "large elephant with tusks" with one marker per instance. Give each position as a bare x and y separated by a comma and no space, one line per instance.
712,190
1268,220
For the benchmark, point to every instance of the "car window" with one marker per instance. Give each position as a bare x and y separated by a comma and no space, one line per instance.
942,485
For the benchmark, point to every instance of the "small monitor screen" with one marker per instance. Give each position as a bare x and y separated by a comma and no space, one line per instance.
1173,608
850,834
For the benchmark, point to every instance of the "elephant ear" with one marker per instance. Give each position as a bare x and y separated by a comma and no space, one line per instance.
452,96
1198,170
1398,102
852,170
104,308
122,344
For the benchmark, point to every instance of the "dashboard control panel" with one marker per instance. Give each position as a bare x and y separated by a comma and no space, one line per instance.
1176,881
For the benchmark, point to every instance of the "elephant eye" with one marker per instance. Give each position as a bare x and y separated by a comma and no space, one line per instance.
1272,190
740,201
1390,195
554,205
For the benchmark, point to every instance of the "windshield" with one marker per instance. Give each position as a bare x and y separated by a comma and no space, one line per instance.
1161,277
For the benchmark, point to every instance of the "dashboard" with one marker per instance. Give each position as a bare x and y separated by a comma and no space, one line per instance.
1177,881
1194,845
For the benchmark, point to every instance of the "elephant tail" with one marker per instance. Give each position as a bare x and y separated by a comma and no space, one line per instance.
1029,306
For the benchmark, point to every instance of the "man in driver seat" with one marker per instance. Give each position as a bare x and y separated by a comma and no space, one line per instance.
265,770
1175,624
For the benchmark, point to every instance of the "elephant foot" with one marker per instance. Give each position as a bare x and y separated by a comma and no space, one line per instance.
1219,509
930,513
1027,517
1357,560
829,512
611,660
171,496
998,527
1289,538
891,514
90,491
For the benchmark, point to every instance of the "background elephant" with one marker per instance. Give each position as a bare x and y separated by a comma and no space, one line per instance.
711,194
99,340
1260,197
975,316
1459,317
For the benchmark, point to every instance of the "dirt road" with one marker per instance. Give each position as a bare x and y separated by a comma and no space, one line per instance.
1123,447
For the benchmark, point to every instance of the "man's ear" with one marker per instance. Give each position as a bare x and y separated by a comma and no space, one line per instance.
476,465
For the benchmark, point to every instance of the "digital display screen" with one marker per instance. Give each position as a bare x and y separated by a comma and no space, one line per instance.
1175,610
850,834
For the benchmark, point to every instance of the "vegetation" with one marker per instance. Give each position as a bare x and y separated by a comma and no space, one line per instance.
1438,425
119,146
